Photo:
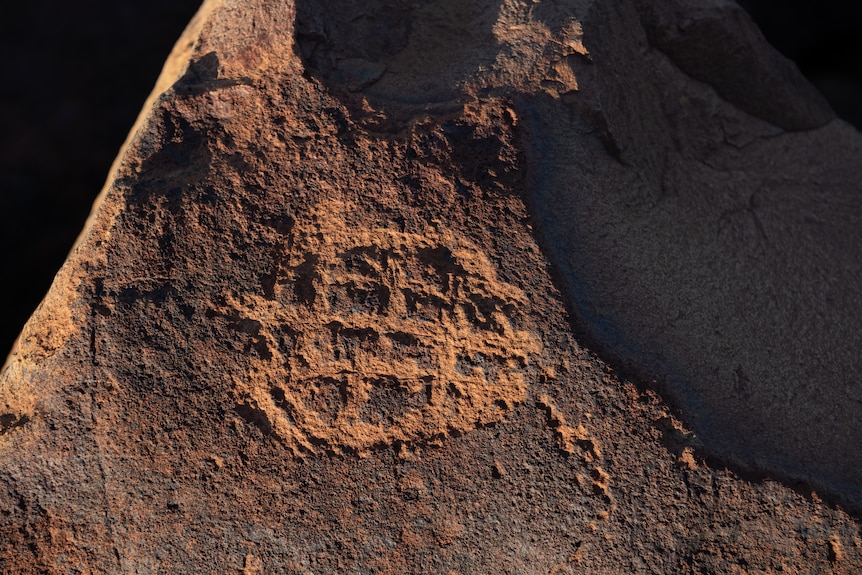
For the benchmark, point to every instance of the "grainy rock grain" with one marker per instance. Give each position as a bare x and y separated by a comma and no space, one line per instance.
323,317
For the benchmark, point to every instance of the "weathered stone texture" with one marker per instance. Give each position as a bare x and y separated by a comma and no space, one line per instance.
318,321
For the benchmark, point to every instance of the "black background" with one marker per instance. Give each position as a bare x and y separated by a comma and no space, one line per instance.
77,73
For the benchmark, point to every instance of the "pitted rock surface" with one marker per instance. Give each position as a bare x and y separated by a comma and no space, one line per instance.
322,318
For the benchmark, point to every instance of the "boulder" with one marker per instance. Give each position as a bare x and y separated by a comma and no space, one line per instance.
510,287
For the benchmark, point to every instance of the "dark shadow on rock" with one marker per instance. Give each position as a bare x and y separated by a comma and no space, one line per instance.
202,76
717,254
402,58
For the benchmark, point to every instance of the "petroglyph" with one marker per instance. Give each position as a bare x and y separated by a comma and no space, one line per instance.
366,337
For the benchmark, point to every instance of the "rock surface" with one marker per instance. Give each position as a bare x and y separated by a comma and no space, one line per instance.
312,324
716,248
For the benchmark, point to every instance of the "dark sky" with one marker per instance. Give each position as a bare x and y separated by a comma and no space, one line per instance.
76,74
823,38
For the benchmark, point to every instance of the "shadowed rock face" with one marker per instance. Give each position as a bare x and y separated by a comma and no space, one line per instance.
716,248
311,325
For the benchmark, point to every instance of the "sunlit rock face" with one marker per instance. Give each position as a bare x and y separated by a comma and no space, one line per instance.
346,303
